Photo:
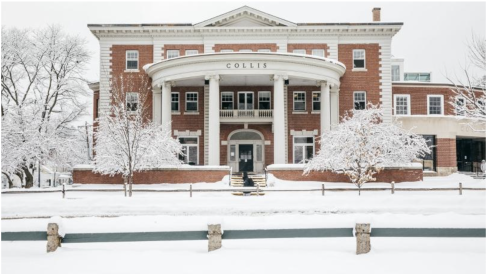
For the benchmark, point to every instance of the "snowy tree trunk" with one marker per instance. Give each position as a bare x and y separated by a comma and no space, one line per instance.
29,179
131,179
10,184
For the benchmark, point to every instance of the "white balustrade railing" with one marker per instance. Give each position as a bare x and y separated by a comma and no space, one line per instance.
252,113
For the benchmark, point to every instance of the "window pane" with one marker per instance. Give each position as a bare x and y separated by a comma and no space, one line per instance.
316,101
232,153
309,152
402,105
172,54
245,50
359,100
259,152
318,52
299,51
264,100
298,154
303,140
132,64
299,101
264,105
174,101
193,155
396,73
226,50
359,63
264,50
250,101
191,52
188,140
435,105
241,101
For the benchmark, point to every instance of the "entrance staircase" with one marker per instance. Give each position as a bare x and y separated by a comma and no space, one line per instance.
237,181
474,175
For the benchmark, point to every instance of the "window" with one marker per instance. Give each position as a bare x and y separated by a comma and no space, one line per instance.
175,101
316,100
396,73
303,149
318,52
245,100
359,100
245,50
299,51
132,59
226,50
191,101
233,153
421,77
429,160
401,104
97,106
264,50
264,100
460,106
227,100
299,101
189,153
172,53
258,149
435,104
358,58
191,52
132,99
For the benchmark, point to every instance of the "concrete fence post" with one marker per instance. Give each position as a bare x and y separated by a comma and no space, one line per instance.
53,237
64,190
125,189
362,233
392,187
460,188
214,237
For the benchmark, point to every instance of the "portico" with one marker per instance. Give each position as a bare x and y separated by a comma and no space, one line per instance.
220,73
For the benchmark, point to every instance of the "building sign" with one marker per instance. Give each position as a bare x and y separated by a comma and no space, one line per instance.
246,65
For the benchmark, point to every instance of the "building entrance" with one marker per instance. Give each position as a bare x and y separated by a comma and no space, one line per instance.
246,159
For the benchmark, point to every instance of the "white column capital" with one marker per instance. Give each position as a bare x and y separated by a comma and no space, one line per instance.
321,82
212,77
278,77
156,90
168,84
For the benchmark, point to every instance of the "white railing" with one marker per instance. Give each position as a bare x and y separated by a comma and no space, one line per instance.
253,113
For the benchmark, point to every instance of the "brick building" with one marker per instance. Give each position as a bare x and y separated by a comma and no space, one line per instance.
248,89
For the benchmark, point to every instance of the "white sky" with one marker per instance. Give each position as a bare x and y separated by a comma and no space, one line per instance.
433,38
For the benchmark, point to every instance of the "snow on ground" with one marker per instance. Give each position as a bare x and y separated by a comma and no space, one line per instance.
312,255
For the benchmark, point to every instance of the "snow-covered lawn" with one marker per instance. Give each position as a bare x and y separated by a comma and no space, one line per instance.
324,255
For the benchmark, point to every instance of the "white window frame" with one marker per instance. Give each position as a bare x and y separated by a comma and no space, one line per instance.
294,101
457,98
365,98
258,99
318,50
226,50
313,102
302,145
186,101
189,52
263,50
221,99
238,100
299,51
127,59
197,145
353,59
172,50
408,96
398,75
179,102
126,101
442,104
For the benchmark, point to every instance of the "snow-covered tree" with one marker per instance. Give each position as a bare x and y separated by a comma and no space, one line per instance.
362,145
126,140
42,91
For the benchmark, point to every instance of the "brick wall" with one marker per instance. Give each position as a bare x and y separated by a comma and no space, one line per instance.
368,81
171,176
134,81
182,49
301,121
446,152
237,47
419,97
308,47
96,97
191,122
387,175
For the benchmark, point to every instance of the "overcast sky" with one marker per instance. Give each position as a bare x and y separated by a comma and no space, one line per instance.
433,38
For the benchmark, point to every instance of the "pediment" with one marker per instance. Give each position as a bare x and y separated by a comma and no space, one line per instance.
245,17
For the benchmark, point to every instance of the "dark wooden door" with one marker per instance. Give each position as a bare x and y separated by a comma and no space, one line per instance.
246,158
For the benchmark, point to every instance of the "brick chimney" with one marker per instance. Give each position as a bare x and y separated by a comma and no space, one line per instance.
376,15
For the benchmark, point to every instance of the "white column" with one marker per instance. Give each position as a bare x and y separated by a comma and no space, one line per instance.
156,105
278,120
325,107
214,120
166,105
335,118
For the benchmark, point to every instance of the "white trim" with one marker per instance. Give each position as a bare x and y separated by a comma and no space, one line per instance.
221,99
353,59
186,102
179,102
270,99
302,145
238,100
197,145
294,101
127,59
408,96
428,104
365,97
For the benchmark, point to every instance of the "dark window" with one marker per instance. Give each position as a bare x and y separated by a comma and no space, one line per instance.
191,101
359,100
316,101
429,160
359,58
175,101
